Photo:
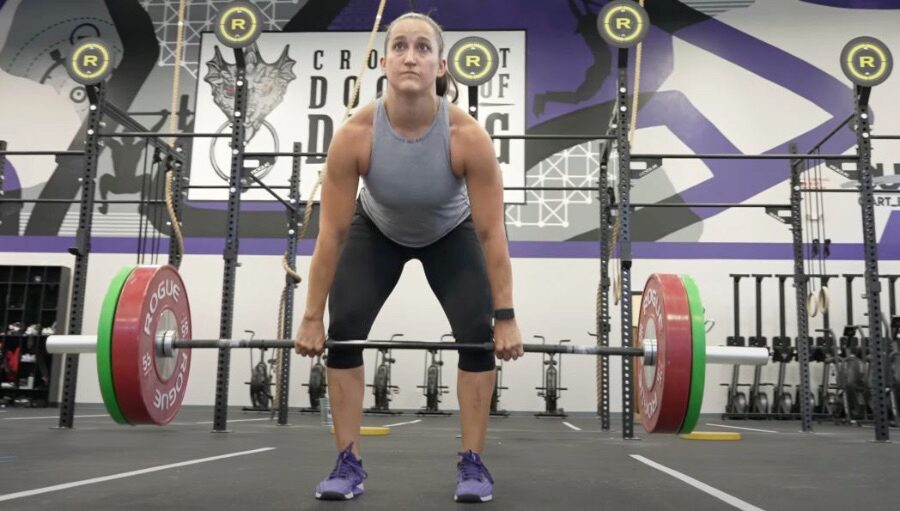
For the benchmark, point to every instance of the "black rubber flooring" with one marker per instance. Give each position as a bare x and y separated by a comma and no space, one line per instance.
544,464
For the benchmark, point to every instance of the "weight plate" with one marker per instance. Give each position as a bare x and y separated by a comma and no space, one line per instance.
785,404
150,387
740,403
894,363
665,386
104,343
698,359
853,372
761,403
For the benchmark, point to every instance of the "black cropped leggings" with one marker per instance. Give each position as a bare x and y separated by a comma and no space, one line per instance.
369,268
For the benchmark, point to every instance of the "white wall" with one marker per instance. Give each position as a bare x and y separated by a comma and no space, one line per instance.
553,297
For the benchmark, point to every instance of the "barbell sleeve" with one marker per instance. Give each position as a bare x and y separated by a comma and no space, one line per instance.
739,355
62,344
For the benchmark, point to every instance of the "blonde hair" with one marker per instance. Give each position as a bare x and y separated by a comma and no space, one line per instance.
442,84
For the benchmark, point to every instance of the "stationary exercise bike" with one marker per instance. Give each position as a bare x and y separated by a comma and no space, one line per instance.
260,381
552,384
495,397
432,386
381,383
317,386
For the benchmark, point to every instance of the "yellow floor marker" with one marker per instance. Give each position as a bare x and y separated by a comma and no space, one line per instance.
371,431
711,435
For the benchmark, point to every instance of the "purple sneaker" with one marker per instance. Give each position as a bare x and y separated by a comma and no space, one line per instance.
345,481
473,481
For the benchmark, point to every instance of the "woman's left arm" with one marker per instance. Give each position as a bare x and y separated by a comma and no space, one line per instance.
485,184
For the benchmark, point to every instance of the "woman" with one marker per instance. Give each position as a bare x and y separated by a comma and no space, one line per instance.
433,191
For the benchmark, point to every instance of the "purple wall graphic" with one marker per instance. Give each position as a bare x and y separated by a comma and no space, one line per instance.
570,88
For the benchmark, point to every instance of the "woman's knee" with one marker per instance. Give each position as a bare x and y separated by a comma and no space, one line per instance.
346,358
477,361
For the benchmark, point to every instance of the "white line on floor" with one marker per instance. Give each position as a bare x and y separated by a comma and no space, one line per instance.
576,428
236,420
50,417
719,494
402,423
66,486
738,427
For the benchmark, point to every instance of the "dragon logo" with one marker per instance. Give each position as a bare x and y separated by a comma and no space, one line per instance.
266,85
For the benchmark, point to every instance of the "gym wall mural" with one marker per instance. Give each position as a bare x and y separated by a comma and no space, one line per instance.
556,76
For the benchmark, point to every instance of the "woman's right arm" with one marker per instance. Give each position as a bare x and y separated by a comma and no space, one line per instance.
337,205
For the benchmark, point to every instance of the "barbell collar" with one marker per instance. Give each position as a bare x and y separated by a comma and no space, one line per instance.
165,343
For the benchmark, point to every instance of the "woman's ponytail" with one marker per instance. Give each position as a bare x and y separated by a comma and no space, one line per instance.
442,86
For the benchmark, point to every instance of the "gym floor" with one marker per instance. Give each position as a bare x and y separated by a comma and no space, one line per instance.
536,463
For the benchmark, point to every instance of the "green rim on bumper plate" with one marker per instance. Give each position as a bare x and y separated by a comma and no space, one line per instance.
698,359
104,344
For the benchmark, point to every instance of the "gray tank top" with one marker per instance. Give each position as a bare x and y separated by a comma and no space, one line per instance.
410,191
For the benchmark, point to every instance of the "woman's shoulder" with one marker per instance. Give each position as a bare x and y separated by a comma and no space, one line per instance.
459,117
461,120
463,126
363,117
359,124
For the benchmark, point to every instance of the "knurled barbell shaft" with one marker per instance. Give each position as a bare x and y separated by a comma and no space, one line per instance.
406,345
714,354
728,355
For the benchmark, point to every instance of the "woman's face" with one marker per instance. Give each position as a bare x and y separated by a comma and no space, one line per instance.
412,62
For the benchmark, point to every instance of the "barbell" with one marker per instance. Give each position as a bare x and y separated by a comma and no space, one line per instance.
143,347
